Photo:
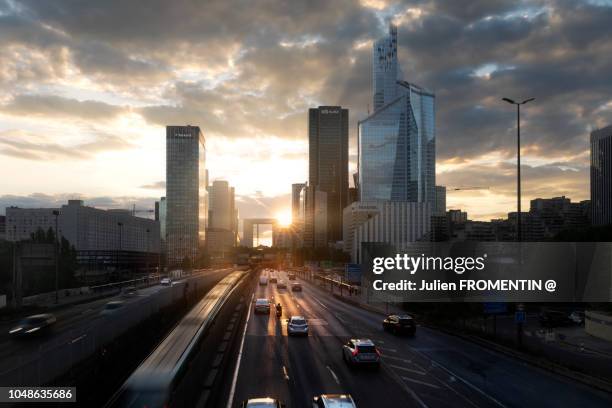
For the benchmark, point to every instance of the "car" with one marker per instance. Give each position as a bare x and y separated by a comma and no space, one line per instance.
361,352
111,307
297,326
262,306
266,402
296,287
130,291
273,279
33,325
400,324
333,401
577,317
166,282
263,281
291,276
553,318
281,284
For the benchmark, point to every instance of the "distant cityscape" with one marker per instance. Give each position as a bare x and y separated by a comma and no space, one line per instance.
394,198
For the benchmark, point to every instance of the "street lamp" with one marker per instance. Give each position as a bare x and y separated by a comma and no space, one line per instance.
120,225
518,162
56,213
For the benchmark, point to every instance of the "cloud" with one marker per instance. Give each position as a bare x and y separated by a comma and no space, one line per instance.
57,106
26,145
158,185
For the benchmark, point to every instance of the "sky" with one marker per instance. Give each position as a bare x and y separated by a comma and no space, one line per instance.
87,88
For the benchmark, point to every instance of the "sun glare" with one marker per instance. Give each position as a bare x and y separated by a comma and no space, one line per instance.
284,218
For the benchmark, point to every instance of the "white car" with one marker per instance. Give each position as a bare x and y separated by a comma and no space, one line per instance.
333,401
297,326
262,306
166,282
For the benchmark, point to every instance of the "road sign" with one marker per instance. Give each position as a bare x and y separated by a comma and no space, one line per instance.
520,316
352,273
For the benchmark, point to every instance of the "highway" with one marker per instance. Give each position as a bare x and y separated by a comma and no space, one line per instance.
432,369
79,328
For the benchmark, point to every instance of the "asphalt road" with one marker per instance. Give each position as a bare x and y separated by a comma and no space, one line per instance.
430,370
73,324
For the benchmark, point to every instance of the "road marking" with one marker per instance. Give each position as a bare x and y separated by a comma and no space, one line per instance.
333,375
230,400
78,339
420,382
469,384
316,300
403,360
410,370
285,373
388,349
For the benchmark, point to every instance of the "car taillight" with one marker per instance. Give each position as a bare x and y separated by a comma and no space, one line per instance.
377,352
355,352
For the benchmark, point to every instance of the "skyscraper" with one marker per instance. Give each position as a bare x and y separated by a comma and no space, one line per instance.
440,207
328,162
396,143
601,176
186,196
222,219
296,190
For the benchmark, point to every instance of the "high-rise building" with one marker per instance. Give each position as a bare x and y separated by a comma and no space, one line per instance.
222,218
601,176
186,195
440,207
328,162
296,190
315,207
396,143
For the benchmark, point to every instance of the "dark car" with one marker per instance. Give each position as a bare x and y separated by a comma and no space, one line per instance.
33,325
400,324
296,287
291,276
553,318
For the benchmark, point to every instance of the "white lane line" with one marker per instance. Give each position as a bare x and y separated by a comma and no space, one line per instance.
420,382
333,375
469,384
410,370
81,337
403,360
388,349
285,373
230,400
316,300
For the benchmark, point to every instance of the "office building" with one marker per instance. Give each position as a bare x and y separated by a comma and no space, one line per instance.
296,190
353,216
316,226
103,239
440,206
601,176
396,143
398,223
2,227
186,195
222,219
328,162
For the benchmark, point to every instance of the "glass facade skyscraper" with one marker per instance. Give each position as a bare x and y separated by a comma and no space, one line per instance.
328,162
186,195
601,176
397,142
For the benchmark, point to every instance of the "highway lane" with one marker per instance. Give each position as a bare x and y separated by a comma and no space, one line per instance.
430,370
73,325
488,375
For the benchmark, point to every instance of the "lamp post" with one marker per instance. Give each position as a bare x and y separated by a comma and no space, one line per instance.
56,213
518,163
120,225
147,256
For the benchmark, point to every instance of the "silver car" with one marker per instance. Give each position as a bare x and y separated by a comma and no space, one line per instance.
297,326
361,352
333,401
